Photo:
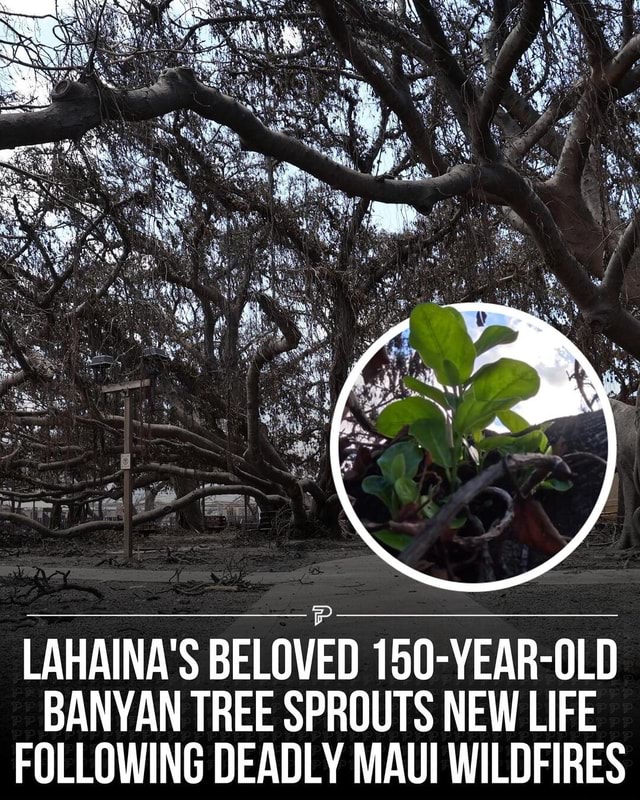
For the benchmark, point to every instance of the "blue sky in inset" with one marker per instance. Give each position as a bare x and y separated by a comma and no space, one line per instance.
543,348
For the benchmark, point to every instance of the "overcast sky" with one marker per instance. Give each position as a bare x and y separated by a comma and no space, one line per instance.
543,348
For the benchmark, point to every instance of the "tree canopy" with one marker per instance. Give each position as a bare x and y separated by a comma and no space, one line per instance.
261,188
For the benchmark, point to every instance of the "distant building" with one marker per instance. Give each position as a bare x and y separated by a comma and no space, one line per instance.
234,507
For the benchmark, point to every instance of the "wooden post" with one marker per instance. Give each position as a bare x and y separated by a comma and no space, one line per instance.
127,499
125,459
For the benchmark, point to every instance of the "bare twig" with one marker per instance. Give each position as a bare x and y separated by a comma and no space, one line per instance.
31,588
428,532
498,528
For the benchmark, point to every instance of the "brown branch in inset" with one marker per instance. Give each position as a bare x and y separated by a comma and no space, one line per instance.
580,455
428,532
498,528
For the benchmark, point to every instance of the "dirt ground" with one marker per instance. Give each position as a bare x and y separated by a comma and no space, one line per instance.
251,551
229,557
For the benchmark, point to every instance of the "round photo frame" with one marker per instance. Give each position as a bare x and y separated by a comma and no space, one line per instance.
504,583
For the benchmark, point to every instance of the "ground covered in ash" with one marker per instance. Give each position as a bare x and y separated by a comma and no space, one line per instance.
233,568
229,560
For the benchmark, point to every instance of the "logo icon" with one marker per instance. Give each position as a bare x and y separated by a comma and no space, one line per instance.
320,613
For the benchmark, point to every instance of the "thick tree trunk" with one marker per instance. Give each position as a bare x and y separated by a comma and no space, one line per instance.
55,521
190,517
627,466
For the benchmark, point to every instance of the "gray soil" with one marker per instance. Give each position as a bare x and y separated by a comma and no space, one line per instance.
229,558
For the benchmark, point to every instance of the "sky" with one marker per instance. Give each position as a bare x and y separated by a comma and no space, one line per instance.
31,6
543,348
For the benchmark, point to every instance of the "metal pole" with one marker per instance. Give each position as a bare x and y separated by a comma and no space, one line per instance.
127,499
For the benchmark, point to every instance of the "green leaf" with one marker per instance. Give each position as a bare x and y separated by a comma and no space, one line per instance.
439,334
433,436
380,487
505,378
397,541
428,506
397,468
406,490
424,389
451,373
533,442
400,413
514,422
375,484
411,454
556,484
493,336
473,414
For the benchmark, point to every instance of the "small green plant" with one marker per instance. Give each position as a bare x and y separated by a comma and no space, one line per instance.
444,425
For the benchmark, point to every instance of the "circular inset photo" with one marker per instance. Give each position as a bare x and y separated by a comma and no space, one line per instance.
473,446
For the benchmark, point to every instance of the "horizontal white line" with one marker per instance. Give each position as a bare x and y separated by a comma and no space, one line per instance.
355,616
154,616
476,615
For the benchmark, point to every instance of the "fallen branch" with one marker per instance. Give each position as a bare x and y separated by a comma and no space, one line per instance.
145,516
40,585
200,588
426,533
497,529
